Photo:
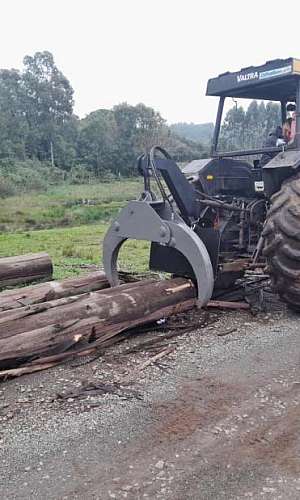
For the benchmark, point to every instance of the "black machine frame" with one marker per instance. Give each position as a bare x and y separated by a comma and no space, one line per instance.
277,80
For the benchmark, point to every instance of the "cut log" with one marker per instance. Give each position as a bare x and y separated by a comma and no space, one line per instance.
43,292
84,322
24,269
16,321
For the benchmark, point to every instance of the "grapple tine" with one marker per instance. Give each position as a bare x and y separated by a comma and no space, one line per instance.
111,247
193,249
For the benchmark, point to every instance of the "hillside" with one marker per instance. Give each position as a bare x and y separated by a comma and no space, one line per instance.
199,132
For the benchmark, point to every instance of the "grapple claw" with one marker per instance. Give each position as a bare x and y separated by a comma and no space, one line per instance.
153,221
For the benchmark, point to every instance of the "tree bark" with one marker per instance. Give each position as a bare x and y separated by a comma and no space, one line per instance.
24,269
51,290
82,323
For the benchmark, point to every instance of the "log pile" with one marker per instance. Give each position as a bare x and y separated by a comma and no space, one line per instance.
44,324
51,290
49,323
24,269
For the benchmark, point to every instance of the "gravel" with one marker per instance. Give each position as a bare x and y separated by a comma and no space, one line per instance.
189,435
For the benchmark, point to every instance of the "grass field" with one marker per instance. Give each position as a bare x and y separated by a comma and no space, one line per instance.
75,242
71,248
67,205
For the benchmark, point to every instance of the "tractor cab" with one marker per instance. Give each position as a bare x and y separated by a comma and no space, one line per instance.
277,81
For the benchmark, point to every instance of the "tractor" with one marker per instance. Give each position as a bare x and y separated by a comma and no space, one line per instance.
216,217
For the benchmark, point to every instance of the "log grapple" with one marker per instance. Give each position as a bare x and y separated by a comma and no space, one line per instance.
183,226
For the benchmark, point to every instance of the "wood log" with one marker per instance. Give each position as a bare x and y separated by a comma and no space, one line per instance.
84,322
43,292
16,321
24,269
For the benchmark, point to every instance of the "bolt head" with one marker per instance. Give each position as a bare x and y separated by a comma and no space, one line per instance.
162,231
116,226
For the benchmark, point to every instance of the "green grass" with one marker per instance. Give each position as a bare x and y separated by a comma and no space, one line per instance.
70,248
57,222
67,205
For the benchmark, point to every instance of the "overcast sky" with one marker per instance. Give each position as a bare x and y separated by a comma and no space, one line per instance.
160,53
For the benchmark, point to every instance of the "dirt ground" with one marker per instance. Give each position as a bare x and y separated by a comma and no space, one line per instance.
216,417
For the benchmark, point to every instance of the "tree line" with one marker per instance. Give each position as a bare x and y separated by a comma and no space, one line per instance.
37,123
248,129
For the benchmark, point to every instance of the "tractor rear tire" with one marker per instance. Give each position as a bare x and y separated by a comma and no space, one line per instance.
282,242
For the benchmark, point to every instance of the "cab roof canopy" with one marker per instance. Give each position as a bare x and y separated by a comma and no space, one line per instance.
275,81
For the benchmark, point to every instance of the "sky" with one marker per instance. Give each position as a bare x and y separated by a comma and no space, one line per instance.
159,52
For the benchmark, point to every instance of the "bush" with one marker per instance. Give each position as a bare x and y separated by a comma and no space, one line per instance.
31,175
80,174
109,176
6,187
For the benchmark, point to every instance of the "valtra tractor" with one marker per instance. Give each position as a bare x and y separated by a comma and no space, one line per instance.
218,215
